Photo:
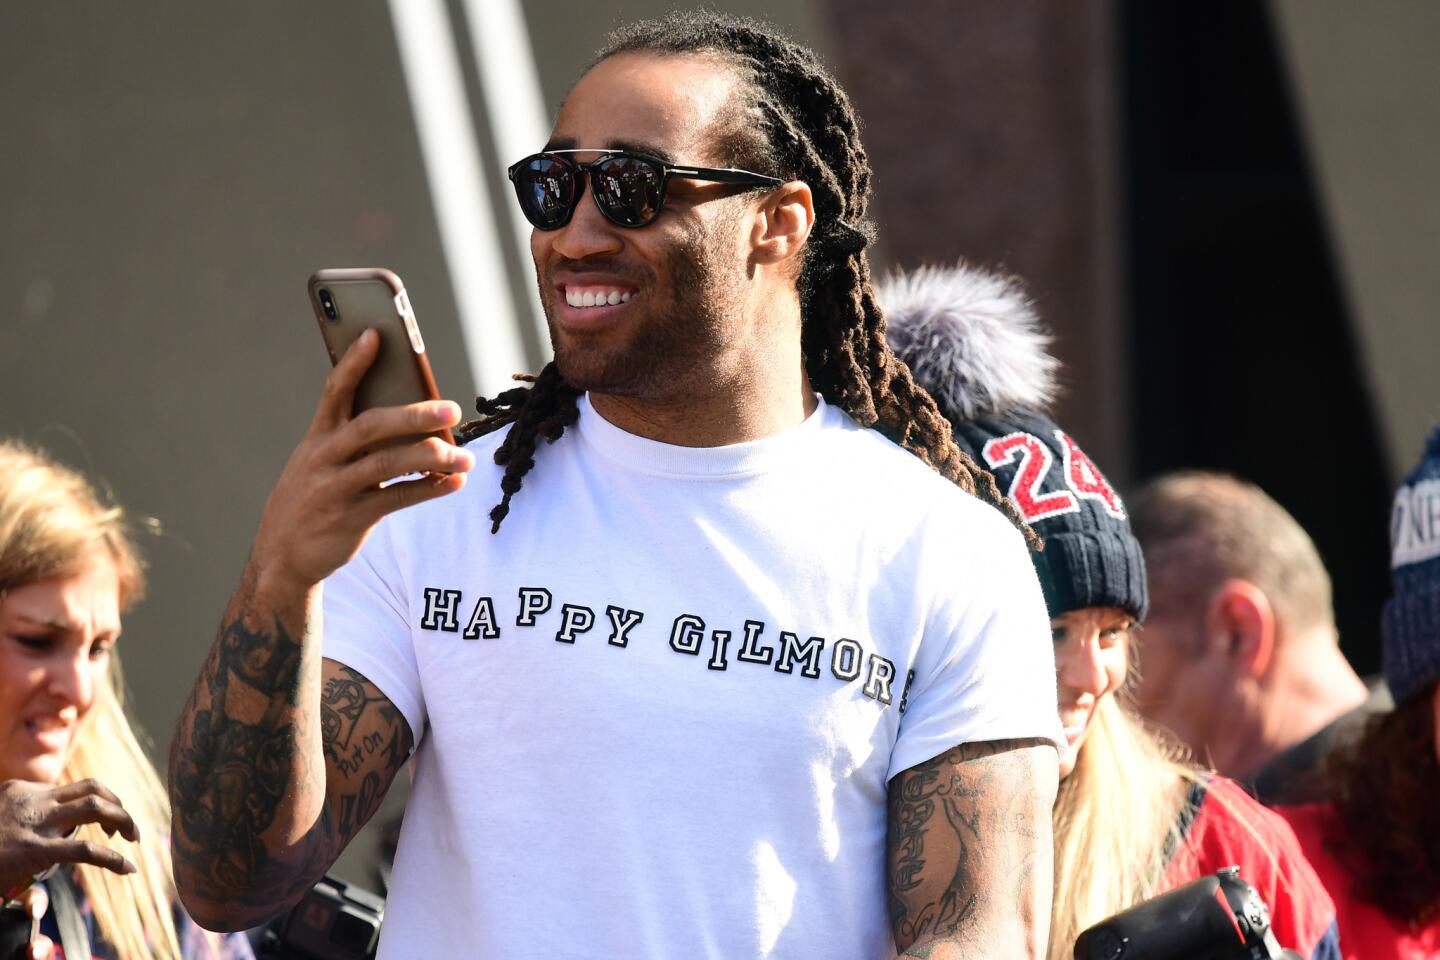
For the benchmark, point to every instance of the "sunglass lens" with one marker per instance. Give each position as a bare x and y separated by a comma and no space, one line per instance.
548,190
627,189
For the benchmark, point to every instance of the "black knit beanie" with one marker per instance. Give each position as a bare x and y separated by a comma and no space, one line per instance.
973,341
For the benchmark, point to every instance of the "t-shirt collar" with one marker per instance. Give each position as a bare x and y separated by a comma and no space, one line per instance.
653,456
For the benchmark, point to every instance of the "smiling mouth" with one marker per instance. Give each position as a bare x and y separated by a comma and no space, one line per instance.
597,296
50,730
1074,726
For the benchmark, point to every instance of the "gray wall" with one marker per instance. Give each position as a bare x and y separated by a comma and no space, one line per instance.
172,174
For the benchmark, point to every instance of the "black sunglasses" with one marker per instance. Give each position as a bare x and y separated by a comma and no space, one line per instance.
628,187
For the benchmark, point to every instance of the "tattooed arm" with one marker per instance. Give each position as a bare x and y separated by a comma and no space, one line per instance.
274,768
970,854
281,756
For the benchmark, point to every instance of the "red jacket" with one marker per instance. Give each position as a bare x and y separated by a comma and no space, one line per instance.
1366,931
1229,829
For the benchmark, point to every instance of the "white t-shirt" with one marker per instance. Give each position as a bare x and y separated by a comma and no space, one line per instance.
657,713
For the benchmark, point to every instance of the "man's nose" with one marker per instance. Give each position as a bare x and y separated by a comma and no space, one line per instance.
588,233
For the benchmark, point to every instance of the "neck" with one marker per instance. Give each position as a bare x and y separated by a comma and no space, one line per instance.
756,388
1310,686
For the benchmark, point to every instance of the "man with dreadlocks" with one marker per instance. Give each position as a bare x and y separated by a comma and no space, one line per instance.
659,695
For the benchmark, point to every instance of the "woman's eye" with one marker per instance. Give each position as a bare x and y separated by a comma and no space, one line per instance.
40,643
1057,634
101,650
1113,635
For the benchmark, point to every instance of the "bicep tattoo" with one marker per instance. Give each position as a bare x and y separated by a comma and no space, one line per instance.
966,830
366,742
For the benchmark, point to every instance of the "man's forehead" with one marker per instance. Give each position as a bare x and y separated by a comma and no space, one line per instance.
661,104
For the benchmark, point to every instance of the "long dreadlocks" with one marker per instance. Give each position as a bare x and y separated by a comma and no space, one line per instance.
802,128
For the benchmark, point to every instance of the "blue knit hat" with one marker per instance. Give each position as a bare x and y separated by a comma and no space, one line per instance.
972,339
1412,617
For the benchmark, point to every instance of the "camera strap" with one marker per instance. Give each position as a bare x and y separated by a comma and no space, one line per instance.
64,900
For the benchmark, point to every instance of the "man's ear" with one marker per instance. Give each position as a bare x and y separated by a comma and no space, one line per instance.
1435,702
783,223
1240,621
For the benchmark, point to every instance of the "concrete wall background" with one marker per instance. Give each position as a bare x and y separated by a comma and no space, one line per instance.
1366,79
172,175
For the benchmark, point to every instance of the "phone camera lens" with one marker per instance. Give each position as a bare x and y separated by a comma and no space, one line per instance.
327,303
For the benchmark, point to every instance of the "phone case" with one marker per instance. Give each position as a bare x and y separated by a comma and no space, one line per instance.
373,297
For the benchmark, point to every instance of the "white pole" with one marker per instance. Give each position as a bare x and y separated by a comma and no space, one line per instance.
519,120
459,192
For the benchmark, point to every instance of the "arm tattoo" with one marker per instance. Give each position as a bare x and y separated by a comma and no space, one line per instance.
961,827
245,759
346,704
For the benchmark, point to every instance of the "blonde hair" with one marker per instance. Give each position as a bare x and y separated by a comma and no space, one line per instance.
1116,815
53,523
1121,818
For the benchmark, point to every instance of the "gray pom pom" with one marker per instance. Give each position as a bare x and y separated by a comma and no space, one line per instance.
972,339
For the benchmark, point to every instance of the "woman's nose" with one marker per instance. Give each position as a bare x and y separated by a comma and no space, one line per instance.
71,678
1080,667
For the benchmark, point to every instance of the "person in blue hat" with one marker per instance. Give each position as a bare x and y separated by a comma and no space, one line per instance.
1376,846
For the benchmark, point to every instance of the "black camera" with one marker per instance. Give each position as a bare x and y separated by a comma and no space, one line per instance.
16,929
1219,917
334,921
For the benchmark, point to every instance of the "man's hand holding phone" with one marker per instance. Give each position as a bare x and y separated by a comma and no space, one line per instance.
336,485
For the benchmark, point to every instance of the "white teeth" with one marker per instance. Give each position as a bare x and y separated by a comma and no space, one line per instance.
596,297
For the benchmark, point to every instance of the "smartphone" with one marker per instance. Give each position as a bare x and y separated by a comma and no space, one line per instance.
349,301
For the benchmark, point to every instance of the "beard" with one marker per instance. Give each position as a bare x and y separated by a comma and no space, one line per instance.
683,320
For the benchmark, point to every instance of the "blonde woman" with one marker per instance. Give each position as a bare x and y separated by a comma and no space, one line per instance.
69,760
1131,820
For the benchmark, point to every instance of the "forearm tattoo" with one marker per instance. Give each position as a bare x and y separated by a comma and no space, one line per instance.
965,830
246,761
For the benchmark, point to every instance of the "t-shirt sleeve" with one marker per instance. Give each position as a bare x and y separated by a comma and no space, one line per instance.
985,669
366,626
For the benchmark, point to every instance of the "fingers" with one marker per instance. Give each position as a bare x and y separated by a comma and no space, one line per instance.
34,901
431,455
82,788
84,851
407,493
338,397
104,805
41,948
374,427
108,814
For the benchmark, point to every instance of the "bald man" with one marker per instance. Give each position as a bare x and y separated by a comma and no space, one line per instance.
1240,656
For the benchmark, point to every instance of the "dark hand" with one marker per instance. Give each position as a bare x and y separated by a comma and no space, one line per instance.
36,819
330,496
